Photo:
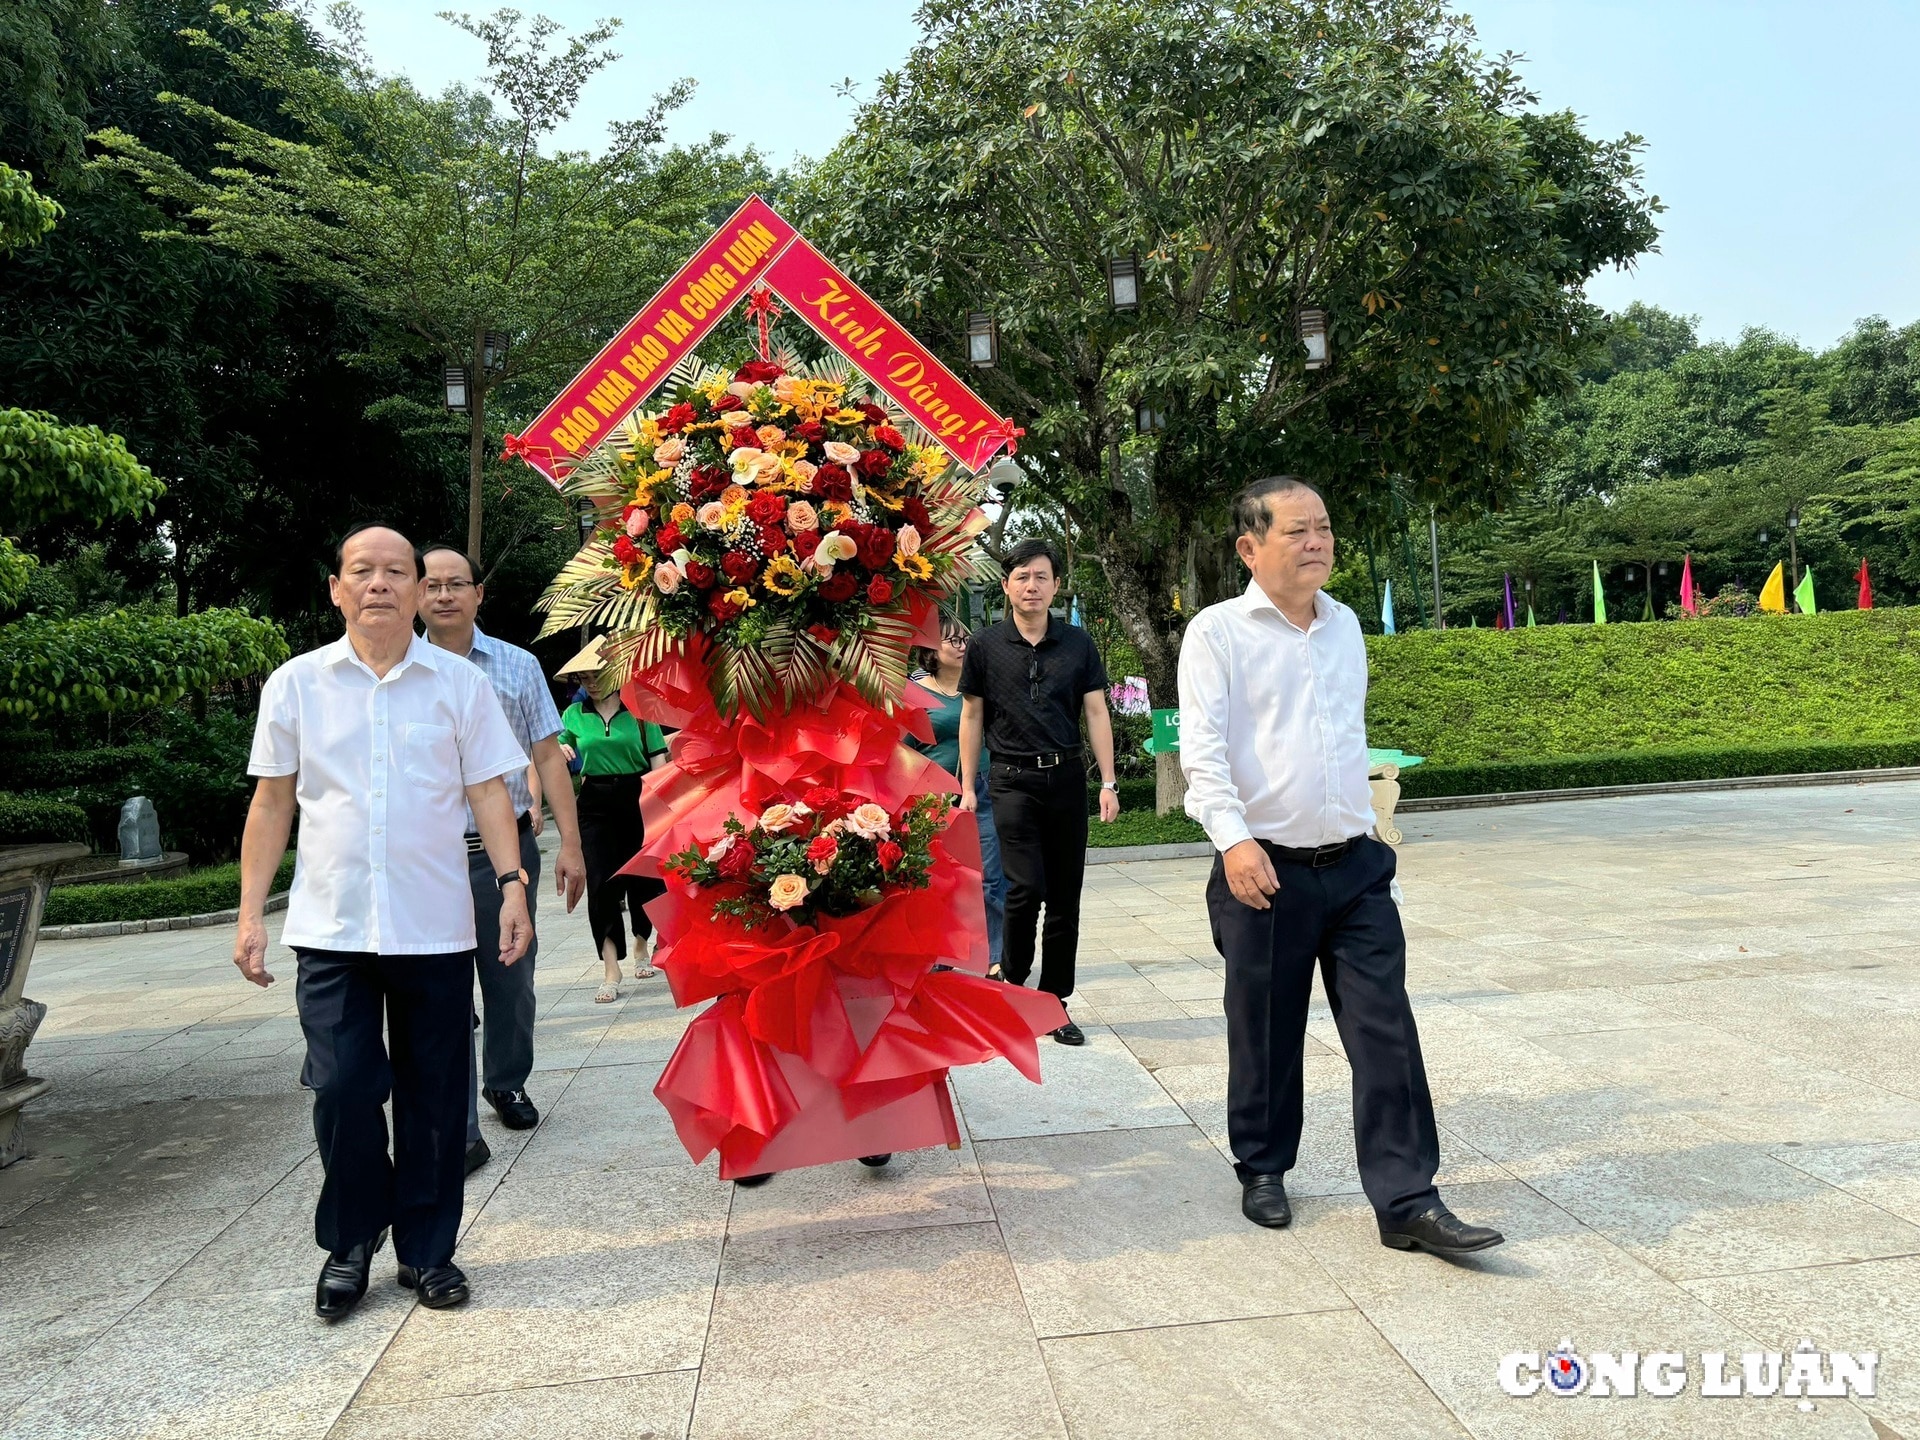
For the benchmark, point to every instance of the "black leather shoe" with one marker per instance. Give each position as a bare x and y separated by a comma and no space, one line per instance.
1263,1200
478,1154
874,1162
1438,1231
515,1110
439,1287
343,1279
749,1181
1069,1034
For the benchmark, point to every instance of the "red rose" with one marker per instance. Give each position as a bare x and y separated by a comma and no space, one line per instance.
875,463
822,850
743,435
729,402
879,590
830,482
916,512
820,799
805,542
758,372
739,568
811,431
766,508
668,538
698,575
676,419
888,854
723,609
876,547
890,437
825,634
875,415
707,483
626,552
839,586
737,863
773,539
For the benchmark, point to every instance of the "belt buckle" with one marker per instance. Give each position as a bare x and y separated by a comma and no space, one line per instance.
1041,762
1325,855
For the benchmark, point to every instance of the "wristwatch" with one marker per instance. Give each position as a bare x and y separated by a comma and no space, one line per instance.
510,876
1113,785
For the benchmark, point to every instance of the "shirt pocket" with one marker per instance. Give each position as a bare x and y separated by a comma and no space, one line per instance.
429,755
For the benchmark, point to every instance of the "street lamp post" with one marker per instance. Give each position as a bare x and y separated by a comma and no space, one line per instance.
1313,335
459,397
1793,543
1123,282
983,341
1433,540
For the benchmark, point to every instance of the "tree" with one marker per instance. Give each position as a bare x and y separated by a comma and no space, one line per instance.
442,215
1357,156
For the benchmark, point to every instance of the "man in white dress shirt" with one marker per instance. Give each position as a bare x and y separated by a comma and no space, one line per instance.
381,742
1273,741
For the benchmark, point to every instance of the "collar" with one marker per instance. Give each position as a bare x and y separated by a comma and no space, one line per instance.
419,652
1054,626
484,642
1255,600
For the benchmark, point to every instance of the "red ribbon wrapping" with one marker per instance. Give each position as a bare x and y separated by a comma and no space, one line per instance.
833,1040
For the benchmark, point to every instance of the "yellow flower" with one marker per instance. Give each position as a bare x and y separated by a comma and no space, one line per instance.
632,577
846,417
682,515
836,512
782,577
918,566
742,599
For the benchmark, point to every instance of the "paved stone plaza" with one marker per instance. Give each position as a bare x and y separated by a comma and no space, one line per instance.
1674,1043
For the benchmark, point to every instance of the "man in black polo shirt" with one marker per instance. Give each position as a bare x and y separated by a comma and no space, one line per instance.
1025,684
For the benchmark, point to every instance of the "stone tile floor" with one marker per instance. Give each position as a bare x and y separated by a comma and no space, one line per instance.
1674,1044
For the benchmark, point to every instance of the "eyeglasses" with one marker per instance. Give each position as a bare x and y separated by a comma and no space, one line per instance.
449,587
959,642
1033,679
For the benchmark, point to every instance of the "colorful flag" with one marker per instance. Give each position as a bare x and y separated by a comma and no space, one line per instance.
1866,586
1529,615
1599,597
1386,611
1507,609
1773,594
1688,604
1073,615
1803,595
1473,622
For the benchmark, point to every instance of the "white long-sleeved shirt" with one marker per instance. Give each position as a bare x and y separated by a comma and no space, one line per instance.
1273,723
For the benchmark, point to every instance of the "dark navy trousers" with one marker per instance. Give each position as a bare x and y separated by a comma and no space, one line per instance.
425,1005
1343,917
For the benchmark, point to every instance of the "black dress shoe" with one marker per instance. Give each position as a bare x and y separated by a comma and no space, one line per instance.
1438,1231
343,1279
749,1181
1263,1200
439,1287
478,1154
1069,1034
515,1110
874,1162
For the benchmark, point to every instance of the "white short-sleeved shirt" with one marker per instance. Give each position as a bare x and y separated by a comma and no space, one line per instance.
383,765
1273,723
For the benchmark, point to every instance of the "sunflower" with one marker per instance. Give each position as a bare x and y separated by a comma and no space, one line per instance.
782,577
632,577
917,567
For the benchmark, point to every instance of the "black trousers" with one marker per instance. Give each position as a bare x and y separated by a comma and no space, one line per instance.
426,1003
610,835
1042,819
1343,916
506,991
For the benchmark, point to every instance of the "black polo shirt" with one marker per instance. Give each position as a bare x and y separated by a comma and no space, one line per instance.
1032,694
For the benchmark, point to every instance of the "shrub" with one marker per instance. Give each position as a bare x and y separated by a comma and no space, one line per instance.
1651,766
1143,827
1475,696
126,660
198,892
37,820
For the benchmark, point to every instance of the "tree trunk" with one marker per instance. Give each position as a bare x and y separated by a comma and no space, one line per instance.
476,445
1139,589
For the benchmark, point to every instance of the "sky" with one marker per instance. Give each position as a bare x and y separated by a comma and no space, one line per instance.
1781,134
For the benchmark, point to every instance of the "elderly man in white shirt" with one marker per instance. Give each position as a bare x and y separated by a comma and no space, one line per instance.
381,742
1273,692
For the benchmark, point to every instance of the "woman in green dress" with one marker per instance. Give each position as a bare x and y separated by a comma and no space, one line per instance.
615,750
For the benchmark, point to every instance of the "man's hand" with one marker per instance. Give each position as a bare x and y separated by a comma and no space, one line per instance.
516,930
970,800
1109,805
570,875
250,950
1250,875
537,819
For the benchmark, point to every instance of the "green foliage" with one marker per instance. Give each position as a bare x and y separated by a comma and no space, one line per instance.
25,214
127,660
16,573
198,892
35,819
1463,696
1143,827
1654,765
50,471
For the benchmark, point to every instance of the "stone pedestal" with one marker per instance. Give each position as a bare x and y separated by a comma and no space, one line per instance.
25,871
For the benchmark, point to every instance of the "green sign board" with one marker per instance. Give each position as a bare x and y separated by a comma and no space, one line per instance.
1166,733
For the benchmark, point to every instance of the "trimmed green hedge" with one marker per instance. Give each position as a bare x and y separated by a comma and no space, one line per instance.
198,892
1143,827
1473,696
36,820
1652,766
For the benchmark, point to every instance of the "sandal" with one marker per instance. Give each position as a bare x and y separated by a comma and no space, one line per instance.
608,992
643,967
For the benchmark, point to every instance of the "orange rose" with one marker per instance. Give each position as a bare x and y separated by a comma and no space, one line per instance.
787,891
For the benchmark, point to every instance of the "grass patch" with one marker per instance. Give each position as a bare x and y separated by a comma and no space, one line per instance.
198,892
1143,827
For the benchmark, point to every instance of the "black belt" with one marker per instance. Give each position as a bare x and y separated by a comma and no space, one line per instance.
1050,760
475,845
1319,857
